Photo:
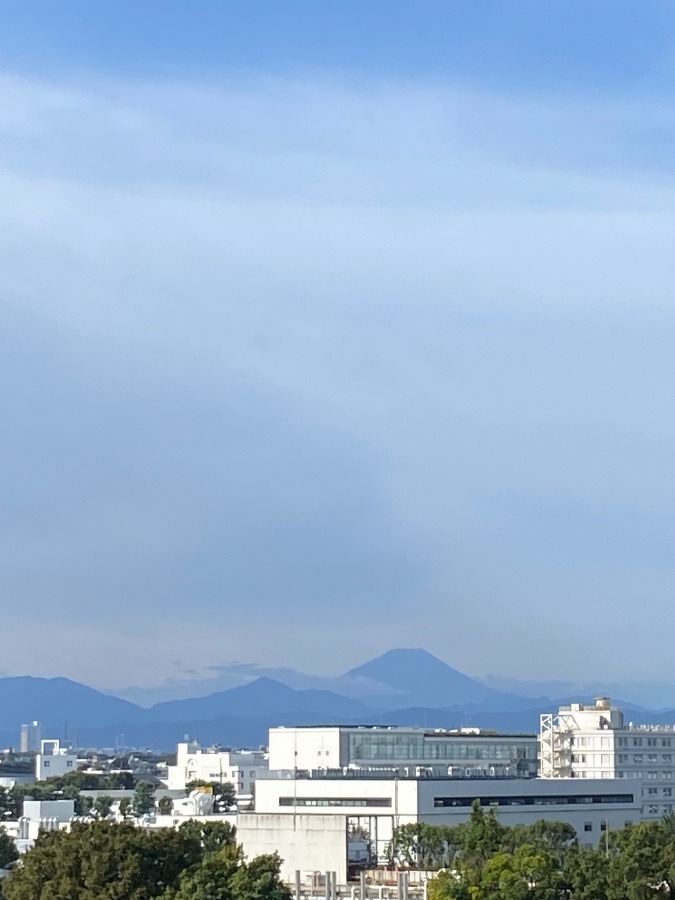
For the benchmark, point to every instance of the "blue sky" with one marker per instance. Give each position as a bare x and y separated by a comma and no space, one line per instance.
333,327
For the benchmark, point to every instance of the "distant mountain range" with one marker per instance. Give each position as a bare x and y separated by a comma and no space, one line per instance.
401,687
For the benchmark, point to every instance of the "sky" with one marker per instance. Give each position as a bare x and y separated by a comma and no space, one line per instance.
334,327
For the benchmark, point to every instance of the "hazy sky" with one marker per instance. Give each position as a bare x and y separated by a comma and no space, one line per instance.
329,327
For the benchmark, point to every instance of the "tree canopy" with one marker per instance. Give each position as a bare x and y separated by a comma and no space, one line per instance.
105,860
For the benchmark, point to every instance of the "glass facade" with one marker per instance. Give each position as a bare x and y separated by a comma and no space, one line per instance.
545,800
418,747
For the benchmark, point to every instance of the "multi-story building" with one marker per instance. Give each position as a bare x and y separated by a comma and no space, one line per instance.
302,814
467,751
239,768
53,760
30,737
593,741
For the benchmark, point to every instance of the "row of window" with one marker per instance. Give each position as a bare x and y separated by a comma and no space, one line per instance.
651,758
536,800
333,801
605,743
588,826
389,746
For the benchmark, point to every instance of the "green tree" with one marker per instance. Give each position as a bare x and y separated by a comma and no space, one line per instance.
642,861
8,852
259,880
448,885
530,873
212,836
125,807
425,846
587,873
144,798
165,806
212,880
102,861
102,806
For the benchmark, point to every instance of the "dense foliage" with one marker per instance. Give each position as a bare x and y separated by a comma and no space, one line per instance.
118,861
484,860
66,787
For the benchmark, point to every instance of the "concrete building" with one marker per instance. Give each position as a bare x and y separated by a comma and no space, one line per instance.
239,768
362,803
30,737
593,741
53,760
465,751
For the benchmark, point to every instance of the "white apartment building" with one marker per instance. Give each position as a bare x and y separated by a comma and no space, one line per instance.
53,760
593,741
466,751
194,763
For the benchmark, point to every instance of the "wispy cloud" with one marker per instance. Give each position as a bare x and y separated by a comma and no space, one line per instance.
283,353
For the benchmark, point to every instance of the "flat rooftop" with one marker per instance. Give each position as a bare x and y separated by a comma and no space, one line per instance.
465,733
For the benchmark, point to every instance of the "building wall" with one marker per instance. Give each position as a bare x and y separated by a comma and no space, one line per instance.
310,843
54,765
589,807
63,810
307,748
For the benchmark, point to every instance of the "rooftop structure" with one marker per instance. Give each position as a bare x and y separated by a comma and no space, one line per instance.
373,746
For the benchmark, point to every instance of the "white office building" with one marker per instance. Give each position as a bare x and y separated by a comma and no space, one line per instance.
593,741
54,761
466,751
194,763
374,805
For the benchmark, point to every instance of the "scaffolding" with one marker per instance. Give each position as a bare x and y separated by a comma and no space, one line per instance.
556,742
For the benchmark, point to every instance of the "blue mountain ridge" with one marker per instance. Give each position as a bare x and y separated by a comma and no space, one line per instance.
421,691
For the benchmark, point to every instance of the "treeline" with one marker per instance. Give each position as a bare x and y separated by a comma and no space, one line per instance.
110,861
66,787
485,860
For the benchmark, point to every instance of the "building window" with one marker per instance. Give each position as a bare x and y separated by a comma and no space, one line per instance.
638,758
588,826
334,801
651,742
603,826
651,758
652,809
667,792
666,758
637,742
665,742
627,823
652,776
69,764
46,764
652,790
